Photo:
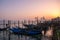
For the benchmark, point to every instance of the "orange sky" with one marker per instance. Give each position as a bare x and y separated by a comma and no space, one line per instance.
16,10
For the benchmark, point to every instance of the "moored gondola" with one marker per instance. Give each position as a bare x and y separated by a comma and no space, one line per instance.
17,31
3,29
20,31
29,25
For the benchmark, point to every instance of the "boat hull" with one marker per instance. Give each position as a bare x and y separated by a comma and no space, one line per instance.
25,31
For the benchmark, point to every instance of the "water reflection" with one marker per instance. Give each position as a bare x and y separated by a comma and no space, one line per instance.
49,33
15,37
4,36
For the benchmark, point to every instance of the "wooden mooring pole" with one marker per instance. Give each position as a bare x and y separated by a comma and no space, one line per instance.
3,30
18,23
9,25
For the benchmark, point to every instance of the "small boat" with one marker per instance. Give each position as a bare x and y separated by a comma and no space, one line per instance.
2,29
17,30
29,25
25,31
33,32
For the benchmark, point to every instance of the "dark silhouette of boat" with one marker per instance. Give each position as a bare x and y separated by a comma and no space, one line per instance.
3,29
29,25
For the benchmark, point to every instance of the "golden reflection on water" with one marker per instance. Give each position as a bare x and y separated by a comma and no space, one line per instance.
49,33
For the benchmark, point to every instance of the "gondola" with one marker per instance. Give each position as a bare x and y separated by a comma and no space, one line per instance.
20,31
29,25
17,30
33,32
3,29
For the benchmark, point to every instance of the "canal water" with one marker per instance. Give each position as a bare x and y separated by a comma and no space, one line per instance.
4,35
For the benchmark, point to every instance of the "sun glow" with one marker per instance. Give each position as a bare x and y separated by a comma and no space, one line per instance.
55,14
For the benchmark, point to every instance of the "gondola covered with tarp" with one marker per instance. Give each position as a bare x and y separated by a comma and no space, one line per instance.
25,31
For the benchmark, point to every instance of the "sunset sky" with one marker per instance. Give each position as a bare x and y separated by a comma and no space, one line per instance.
23,9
